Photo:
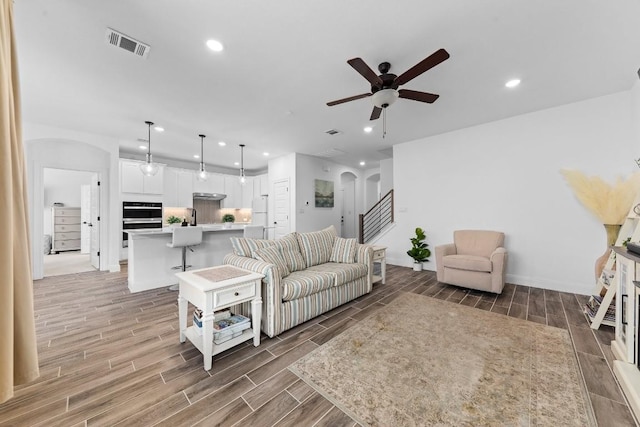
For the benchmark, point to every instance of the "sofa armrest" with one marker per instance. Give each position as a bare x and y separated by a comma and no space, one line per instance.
442,251
364,255
498,266
271,289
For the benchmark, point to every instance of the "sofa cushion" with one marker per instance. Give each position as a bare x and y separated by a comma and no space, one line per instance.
244,246
316,246
291,252
342,273
273,255
302,283
344,250
467,262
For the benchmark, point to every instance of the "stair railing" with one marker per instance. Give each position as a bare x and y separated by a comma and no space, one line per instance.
375,219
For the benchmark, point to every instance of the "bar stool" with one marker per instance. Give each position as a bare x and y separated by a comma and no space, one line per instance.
184,238
253,231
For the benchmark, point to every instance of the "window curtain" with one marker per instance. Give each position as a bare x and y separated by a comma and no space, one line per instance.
18,351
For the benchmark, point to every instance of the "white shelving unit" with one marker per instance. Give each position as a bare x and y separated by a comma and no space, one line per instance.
601,306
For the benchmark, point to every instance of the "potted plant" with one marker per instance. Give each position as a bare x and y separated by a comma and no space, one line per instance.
419,251
227,220
172,220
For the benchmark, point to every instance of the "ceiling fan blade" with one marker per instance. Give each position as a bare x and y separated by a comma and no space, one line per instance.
375,114
429,62
360,66
417,96
351,98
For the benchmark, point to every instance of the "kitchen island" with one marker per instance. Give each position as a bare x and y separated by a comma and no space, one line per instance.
151,260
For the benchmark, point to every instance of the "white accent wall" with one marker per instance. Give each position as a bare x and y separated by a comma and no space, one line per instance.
505,175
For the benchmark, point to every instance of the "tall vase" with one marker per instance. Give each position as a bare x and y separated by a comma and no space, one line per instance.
612,235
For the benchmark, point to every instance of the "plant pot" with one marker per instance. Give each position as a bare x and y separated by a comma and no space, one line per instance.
417,266
227,224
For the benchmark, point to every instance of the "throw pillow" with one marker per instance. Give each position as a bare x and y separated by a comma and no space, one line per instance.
291,252
245,246
273,255
316,246
344,250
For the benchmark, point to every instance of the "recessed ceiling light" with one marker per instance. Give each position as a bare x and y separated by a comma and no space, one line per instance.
215,45
512,83
236,163
142,147
222,143
368,129
265,154
196,156
362,163
159,129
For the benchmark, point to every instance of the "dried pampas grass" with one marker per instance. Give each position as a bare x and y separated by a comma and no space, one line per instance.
610,204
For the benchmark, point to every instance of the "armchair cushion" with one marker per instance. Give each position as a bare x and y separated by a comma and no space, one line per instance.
477,242
467,262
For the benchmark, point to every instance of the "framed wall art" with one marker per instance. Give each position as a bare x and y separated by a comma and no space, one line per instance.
324,193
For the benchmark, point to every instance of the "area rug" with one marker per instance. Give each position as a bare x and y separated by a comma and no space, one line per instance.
420,361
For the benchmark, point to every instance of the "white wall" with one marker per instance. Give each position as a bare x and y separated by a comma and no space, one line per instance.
505,176
50,147
62,186
386,176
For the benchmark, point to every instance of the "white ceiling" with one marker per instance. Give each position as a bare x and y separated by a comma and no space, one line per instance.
284,59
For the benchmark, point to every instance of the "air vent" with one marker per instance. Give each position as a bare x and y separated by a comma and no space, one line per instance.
332,152
114,38
332,132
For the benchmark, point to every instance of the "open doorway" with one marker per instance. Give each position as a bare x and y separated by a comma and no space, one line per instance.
70,211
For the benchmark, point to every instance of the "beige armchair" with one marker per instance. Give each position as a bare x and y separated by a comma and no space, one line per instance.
476,259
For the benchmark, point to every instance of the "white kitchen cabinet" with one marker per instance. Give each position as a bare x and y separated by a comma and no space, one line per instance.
185,188
132,180
247,193
232,189
213,184
260,185
170,195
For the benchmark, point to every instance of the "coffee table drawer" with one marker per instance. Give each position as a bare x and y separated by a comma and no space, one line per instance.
229,296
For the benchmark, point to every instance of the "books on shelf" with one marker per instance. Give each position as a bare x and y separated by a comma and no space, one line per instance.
592,306
225,325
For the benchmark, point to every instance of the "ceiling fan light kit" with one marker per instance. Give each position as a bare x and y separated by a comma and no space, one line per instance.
384,87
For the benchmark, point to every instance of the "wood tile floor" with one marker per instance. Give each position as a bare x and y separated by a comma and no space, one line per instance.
108,357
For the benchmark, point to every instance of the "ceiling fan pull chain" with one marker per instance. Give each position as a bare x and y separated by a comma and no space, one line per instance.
384,122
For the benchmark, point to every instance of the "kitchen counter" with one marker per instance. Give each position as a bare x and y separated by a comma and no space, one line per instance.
151,260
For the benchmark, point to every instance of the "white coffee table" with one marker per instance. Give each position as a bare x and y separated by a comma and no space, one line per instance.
209,289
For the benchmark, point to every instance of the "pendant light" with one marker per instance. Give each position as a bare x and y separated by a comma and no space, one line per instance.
149,168
202,174
243,179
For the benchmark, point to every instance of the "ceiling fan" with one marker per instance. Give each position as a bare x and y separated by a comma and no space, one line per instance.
384,88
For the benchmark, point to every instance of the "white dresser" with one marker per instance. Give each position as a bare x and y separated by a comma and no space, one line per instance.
66,229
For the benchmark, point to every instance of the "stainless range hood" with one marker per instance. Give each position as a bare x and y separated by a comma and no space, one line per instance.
209,196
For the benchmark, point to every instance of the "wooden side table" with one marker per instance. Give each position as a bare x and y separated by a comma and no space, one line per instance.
209,289
380,256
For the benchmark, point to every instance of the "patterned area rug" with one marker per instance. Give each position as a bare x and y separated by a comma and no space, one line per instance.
419,362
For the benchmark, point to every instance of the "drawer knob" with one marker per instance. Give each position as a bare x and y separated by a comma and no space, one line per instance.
236,293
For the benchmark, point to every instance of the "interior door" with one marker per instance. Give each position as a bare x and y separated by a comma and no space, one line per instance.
94,225
85,219
281,208
349,210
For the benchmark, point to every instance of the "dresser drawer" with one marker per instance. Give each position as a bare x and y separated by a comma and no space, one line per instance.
231,295
66,220
379,253
60,245
67,212
71,235
66,227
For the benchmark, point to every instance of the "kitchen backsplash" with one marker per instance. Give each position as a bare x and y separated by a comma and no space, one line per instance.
241,215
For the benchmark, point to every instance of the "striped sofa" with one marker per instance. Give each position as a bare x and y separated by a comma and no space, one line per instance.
306,274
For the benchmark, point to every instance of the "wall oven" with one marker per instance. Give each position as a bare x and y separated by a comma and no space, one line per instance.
138,216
